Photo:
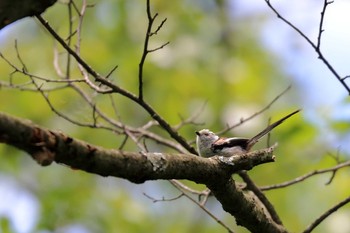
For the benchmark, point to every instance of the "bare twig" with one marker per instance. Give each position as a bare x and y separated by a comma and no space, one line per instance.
114,88
347,76
163,198
157,48
205,210
56,64
112,70
306,176
320,29
316,47
25,72
142,147
146,51
191,119
183,187
68,118
145,47
24,68
337,159
96,112
159,27
242,121
313,225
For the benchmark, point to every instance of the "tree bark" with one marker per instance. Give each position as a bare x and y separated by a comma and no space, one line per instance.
12,10
47,146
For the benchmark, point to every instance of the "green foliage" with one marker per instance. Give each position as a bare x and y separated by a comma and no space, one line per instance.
5,225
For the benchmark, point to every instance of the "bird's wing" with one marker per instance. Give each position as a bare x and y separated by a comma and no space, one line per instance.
222,143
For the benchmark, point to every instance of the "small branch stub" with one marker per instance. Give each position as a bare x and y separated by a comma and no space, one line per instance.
250,159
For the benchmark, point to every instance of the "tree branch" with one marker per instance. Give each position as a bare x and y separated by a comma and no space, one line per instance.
134,166
241,204
316,47
306,176
259,194
313,225
12,10
116,89
46,146
243,120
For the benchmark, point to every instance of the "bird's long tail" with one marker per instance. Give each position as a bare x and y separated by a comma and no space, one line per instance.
256,138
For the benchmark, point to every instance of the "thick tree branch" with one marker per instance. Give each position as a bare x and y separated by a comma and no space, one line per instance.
12,10
259,194
46,146
242,204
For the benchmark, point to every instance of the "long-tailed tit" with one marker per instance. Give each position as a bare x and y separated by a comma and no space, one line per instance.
210,144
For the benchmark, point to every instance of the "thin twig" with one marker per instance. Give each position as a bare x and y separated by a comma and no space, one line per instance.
117,124
163,198
123,142
160,47
337,159
116,89
24,68
191,119
206,210
314,224
56,64
70,35
242,121
183,187
313,45
306,176
146,51
112,70
320,29
145,47
25,72
66,117
159,27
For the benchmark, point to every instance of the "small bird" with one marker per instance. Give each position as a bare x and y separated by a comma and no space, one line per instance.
210,144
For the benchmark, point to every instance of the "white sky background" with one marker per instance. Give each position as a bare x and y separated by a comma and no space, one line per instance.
324,95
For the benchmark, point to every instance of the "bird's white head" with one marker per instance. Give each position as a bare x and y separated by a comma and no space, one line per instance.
205,139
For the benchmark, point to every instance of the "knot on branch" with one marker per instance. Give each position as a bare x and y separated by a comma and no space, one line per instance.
158,161
42,146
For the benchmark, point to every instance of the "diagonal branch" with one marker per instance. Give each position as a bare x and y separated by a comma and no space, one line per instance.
116,89
259,194
206,210
316,47
306,176
244,204
242,121
326,214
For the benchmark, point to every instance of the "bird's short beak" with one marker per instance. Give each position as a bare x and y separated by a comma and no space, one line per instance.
197,132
